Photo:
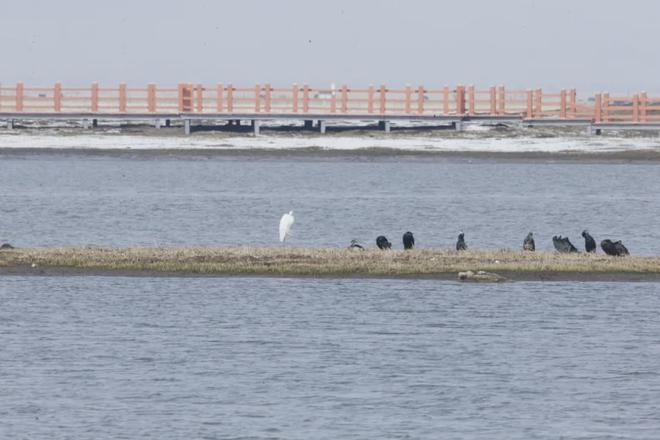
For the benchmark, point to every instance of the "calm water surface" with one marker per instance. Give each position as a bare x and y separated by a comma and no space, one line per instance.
169,358
117,201
172,358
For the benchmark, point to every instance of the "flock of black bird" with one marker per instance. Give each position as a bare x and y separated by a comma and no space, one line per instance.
561,244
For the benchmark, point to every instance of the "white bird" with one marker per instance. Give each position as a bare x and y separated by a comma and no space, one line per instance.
286,222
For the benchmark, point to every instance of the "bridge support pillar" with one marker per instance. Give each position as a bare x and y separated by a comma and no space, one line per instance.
458,125
309,124
87,124
157,123
591,130
322,126
385,126
186,126
10,124
256,125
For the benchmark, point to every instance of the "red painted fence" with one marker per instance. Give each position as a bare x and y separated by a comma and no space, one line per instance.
297,99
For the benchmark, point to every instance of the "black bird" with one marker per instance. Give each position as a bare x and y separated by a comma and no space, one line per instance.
589,242
383,243
615,248
460,244
408,240
621,249
563,244
528,243
355,245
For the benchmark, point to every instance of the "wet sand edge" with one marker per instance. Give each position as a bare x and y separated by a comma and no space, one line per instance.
536,276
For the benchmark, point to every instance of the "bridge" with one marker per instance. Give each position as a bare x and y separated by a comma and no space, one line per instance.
187,104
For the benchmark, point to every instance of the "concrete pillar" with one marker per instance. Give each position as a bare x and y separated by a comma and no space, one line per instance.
255,126
157,123
321,125
384,125
186,126
309,124
589,131
86,123
10,124
458,125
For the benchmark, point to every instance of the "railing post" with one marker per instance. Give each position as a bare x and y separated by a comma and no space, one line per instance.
180,91
200,98
642,106
333,100
530,103
294,98
344,99
445,100
383,99
95,97
597,107
57,97
573,104
408,94
538,111
218,98
460,100
257,98
267,98
471,99
230,98
122,98
370,99
420,100
19,96
151,98
635,115
562,104
493,101
606,107
501,104
305,98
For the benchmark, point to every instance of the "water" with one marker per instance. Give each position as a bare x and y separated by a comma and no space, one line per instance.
78,199
172,358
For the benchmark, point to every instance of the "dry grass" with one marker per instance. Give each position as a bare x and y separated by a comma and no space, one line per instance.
299,261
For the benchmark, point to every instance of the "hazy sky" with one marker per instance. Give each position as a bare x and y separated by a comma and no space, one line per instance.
592,45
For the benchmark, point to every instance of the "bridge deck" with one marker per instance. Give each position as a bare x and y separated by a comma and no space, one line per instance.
456,105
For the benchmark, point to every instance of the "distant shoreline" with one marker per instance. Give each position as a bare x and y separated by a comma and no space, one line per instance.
481,142
630,156
324,263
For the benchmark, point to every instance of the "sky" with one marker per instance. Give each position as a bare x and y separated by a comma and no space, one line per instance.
606,45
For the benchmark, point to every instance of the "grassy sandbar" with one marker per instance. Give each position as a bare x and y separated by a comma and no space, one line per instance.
284,261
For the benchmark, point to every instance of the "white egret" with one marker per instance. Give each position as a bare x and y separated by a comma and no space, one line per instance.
286,222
